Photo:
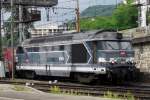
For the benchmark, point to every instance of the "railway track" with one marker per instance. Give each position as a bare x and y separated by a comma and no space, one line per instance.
141,92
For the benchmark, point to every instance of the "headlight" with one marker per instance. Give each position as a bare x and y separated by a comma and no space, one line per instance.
113,60
101,60
131,59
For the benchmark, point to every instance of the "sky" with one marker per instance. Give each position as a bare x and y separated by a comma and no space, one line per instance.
72,4
86,3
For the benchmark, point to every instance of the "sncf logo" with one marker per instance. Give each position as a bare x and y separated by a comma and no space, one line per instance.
122,53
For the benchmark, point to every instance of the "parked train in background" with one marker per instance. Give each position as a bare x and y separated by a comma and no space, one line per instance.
85,56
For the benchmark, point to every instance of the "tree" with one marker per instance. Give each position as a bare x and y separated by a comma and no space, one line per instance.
7,25
126,16
129,2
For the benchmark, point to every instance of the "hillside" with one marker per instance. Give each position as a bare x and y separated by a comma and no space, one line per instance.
123,17
98,10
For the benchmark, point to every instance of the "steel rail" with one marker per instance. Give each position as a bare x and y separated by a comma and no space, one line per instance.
142,92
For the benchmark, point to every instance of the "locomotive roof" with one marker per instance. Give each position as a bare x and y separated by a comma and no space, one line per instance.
72,38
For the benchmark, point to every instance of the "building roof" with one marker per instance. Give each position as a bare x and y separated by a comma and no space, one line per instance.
41,3
49,26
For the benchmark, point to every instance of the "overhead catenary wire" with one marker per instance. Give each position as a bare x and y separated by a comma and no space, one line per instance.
63,12
66,10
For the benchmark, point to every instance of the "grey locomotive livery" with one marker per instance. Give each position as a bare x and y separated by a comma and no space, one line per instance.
85,56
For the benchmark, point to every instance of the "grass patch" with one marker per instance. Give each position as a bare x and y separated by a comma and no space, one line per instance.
55,89
129,96
113,95
108,94
58,90
20,88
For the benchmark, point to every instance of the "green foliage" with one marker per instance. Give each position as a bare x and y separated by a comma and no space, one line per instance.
148,17
112,95
7,25
97,23
20,88
108,94
124,17
98,10
129,96
55,89
129,1
7,37
58,90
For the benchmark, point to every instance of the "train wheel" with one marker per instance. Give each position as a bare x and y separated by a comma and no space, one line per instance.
30,75
83,78
112,78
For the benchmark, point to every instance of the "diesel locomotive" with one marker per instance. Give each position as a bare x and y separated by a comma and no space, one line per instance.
84,56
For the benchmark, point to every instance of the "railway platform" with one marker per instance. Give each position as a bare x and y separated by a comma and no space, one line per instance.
16,92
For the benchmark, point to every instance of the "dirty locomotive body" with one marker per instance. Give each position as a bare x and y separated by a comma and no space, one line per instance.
84,56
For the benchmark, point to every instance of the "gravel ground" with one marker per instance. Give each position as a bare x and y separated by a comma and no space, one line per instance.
17,92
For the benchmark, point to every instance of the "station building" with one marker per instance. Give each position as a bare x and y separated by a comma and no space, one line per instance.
47,29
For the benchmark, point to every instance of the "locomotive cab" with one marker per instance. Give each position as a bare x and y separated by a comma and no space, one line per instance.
115,52
117,56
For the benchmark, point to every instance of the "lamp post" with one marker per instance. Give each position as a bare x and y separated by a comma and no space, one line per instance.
0,32
78,17
12,39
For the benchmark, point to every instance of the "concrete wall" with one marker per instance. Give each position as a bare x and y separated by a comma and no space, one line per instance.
142,50
142,57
